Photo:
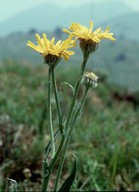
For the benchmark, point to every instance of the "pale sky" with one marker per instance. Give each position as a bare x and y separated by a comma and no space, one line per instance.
9,8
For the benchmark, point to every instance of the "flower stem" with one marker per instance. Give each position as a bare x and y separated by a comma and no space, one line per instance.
45,175
45,166
80,108
50,114
85,58
57,101
67,128
68,139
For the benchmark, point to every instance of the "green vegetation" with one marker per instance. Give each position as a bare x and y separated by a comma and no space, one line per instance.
105,141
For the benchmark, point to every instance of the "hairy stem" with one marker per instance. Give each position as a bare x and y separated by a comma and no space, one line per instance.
67,128
57,101
50,115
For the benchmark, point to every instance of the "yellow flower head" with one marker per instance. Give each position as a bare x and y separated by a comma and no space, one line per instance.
51,52
89,39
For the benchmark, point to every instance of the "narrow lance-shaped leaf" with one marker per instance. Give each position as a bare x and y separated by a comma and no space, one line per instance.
48,147
69,181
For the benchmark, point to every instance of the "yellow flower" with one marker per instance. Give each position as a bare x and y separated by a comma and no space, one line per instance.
88,38
51,52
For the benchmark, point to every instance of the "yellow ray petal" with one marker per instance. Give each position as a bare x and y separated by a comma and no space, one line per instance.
91,26
39,40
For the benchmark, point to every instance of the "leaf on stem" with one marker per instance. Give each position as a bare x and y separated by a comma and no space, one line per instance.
68,85
48,147
13,185
69,181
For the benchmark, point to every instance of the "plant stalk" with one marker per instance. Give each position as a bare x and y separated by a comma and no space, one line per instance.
50,114
57,102
67,128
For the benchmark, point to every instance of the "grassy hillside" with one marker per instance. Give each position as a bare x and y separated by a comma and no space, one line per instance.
105,140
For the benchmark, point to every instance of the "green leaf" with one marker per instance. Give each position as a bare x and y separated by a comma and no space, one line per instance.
69,181
66,83
48,147
13,185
